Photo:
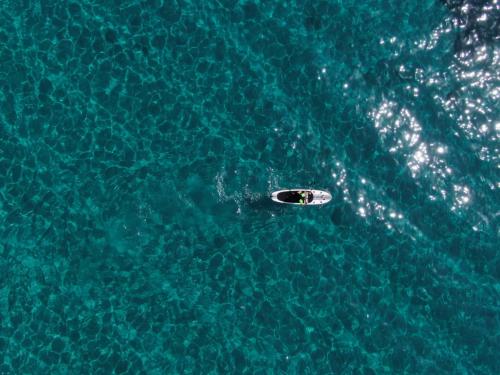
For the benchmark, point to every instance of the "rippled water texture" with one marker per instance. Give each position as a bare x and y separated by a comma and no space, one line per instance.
139,141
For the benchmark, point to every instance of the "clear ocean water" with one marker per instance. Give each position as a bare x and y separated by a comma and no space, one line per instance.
139,143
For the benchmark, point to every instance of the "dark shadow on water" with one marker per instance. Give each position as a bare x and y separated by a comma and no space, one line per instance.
342,215
265,204
262,203
474,30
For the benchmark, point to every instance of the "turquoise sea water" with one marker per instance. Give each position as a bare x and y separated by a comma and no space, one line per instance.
140,140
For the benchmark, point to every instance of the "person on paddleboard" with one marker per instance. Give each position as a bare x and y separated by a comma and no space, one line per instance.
304,197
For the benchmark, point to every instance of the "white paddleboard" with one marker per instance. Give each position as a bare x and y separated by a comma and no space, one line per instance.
293,196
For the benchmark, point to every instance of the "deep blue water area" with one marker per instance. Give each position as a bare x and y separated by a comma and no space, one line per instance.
139,144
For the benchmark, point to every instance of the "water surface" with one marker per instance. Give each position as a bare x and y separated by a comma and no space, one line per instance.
140,140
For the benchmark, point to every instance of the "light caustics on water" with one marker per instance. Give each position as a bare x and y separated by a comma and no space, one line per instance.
464,93
367,199
475,118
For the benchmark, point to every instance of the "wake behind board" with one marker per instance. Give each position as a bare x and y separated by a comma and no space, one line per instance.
293,196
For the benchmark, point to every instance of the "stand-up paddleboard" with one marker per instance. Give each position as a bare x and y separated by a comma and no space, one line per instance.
301,197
